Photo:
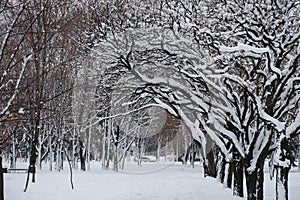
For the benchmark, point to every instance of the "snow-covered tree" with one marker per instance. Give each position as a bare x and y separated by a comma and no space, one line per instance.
253,52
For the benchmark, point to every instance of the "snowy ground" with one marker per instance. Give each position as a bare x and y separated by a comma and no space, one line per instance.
158,181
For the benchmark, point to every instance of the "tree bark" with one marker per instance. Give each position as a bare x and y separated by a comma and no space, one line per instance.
211,164
158,149
221,171
251,184
103,152
1,180
254,181
50,153
139,152
228,175
282,174
82,157
238,189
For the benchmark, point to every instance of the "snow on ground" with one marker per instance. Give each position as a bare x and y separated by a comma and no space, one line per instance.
160,181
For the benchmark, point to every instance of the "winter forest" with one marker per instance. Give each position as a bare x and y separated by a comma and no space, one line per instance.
205,92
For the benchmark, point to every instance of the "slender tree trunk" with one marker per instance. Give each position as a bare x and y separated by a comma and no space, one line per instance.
177,151
58,157
282,174
109,134
116,158
74,158
228,175
88,158
50,153
82,157
166,150
139,152
13,152
103,152
107,151
193,156
158,149
221,171
61,166
123,159
1,180
39,160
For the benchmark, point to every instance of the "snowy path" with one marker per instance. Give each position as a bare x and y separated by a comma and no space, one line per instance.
172,183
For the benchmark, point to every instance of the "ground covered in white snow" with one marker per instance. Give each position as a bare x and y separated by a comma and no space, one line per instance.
159,181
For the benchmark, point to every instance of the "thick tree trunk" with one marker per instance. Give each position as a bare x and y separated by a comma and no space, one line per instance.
238,189
282,174
251,184
211,165
260,183
254,181
1,180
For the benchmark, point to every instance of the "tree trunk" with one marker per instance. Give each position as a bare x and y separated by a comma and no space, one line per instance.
228,175
50,154
82,157
103,152
108,151
1,180
251,184
158,149
109,135
58,156
212,171
177,151
116,162
221,171
254,181
193,156
61,159
166,150
282,174
260,183
39,160
139,152
88,158
123,159
238,189
74,157
14,153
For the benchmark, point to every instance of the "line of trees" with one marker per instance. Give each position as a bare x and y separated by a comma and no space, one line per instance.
37,66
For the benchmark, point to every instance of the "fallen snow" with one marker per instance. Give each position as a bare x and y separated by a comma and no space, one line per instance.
166,181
